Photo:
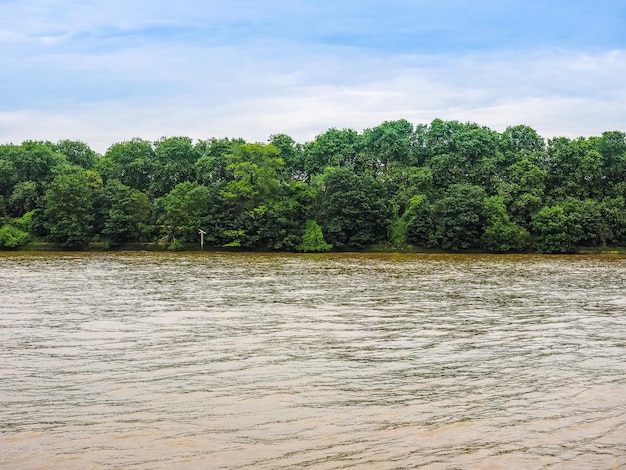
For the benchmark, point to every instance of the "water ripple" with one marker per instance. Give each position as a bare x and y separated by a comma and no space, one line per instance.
245,361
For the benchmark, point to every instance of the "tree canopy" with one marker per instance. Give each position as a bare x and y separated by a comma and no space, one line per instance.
447,185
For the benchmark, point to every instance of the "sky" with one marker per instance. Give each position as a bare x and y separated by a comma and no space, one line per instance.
107,71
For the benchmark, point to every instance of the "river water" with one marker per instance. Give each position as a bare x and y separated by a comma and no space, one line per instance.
265,361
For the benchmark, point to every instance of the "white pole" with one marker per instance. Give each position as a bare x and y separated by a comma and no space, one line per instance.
202,233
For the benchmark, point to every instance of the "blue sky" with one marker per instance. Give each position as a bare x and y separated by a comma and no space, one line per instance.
104,72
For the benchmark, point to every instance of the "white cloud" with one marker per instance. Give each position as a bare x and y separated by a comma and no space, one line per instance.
155,89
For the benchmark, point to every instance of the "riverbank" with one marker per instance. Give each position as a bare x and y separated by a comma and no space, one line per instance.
194,247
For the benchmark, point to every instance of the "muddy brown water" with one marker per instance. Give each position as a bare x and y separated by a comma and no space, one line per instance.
265,361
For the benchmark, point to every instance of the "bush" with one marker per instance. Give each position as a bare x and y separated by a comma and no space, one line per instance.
175,246
12,237
313,239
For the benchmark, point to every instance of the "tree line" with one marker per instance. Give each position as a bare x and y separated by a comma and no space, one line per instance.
445,185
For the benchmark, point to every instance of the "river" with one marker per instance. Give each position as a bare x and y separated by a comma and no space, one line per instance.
266,361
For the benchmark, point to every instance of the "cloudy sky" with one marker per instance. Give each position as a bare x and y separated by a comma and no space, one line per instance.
106,71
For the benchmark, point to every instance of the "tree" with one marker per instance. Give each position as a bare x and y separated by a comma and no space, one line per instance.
522,140
251,193
523,191
612,229
279,223
174,160
211,170
77,153
550,231
123,213
419,221
254,169
458,217
405,181
291,154
574,168
584,219
448,184
211,165
186,208
37,162
500,234
131,162
332,148
8,171
313,239
462,154
68,209
353,210
467,140
25,197
389,142
612,147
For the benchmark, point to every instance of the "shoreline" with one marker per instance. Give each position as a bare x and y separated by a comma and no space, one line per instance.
194,247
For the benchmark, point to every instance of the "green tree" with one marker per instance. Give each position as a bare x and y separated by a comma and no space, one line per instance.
211,170
462,154
584,219
37,162
612,229
24,222
447,170
252,193
500,234
313,239
77,153
292,155
8,171
574,169
467,140
131,162
612,147
123,213
26,196
389,142
403,182
174,160
353,210
458,217
521,142
332,148
12,237
68,209
523,191
419,221
279,223
211,165
254,169
550,231
186,209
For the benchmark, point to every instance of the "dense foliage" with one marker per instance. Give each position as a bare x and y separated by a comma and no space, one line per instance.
446,185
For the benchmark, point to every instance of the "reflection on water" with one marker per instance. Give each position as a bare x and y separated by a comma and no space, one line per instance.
327,361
